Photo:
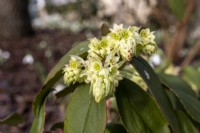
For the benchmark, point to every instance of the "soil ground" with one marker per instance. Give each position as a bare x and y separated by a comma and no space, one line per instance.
19,83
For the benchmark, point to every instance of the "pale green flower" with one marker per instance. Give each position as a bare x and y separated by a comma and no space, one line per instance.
136,38
115,36
96,66
150,48
104,47
104,83
134,29
101,47
73,70
147,36
92,69
92,56
94,43
94,46
104,77
115,33
116,28
118,33
96,78
124,38
115,76
126,49
97,88
126,34
144,42
112,58
105,58
100,84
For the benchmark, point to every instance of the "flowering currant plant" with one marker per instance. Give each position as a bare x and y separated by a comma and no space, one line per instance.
113,66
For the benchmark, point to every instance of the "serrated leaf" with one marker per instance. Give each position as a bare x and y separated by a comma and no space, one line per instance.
178,8
189,101
154,86
84,114
138,111
186,124
55,74
13,119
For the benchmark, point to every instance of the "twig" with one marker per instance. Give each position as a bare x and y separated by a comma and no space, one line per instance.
191,54
176,43
188,11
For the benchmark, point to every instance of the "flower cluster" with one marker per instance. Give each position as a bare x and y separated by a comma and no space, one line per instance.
106,56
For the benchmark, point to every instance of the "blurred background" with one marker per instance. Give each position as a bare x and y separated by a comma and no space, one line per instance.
35,34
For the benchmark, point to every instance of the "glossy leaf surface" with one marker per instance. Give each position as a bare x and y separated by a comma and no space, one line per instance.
138,110
84,114
186,97
154,86
55,74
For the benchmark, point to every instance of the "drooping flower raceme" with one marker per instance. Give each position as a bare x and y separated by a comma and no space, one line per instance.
106,56
103,76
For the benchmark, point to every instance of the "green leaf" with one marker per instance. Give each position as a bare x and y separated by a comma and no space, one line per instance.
176,83
106,131
192,75
13,119
191,104
38,122
186,124
55,74
154,85
189,101
79,49
178,8
115,128
57,126
139,112
84,114
172,97
66,90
